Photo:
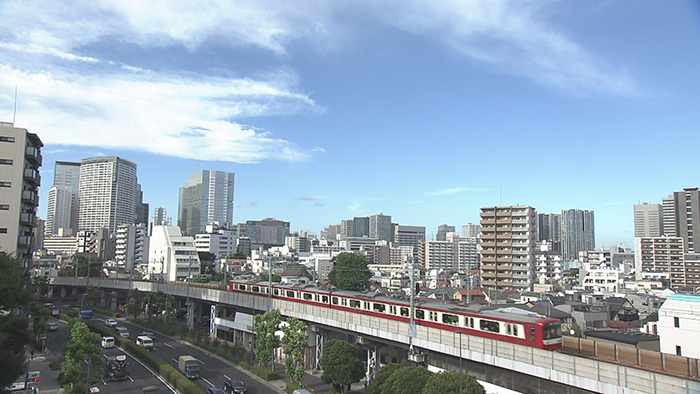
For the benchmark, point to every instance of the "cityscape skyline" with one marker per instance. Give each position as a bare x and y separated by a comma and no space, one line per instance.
423,112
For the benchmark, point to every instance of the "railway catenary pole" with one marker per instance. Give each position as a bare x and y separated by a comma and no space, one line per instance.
412,322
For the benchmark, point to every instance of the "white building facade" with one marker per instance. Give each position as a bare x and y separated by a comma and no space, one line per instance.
131,246
218,241
679,325
171,256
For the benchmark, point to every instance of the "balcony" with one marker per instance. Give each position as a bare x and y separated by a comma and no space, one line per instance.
33,155
25,240
490,267
31,175
26,219
488,244
30,196
487,221
504,267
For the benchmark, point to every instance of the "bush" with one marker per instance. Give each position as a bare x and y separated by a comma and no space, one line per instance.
263,372
291,386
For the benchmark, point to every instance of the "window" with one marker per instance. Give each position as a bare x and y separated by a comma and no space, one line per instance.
469,322
334,300
276,292
404,312
3,231
392,309
379,307
5,184
308,296
6,161
433,316
676,322
450,319
7,139
324,299
242,287
678,351
420,314
365,305
255,289
354,303
489,325
4,207
290,294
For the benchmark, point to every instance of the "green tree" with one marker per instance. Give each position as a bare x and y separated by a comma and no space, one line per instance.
342,364
449,382
41,284
266,339
93,294
383,374
134,306
14,330
350,272
276,278
169,308
406,380
83,262
238,256
295,340
572,330
81,348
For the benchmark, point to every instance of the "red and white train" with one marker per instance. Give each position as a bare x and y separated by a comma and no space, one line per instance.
520,327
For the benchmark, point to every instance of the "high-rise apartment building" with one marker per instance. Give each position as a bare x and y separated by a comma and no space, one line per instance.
409,236
107,193
549,229
20,159
443,229
62,208
470,230
661,254
452,254
648,220
380,227
131,246
681,216
508,240
206,197
577,233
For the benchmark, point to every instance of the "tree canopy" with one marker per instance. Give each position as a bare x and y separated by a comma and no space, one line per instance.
342,364
14,328
406,380
266,339
449,382
350,272
81,347
295,340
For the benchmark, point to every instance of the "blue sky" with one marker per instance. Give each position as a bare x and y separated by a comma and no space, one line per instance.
330,110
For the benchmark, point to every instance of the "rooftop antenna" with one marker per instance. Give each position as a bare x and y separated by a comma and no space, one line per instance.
14,111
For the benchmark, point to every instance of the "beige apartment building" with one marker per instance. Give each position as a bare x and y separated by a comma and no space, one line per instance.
508,241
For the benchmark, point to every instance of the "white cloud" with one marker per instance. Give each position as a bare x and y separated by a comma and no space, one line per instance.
508,36
188,118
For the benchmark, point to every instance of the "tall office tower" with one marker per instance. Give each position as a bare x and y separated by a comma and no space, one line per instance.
159,219
648,220
106,193
361,226
681,214
20,159
380,227
62,209
443,229
347,228
470,230
577,233
206,197
409,235
508,241
549,229
331,232
264,233
140,207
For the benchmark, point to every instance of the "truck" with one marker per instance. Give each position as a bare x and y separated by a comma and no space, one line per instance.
189,366
115,368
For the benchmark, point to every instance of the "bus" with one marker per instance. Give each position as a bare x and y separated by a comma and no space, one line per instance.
85,314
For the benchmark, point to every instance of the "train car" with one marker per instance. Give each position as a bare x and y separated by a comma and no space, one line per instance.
511,325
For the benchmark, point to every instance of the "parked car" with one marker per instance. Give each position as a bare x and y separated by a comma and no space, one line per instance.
122,331
148,334
53,326
234,386
110,323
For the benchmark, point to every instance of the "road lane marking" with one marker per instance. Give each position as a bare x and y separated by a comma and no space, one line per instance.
210,383
227,378
169,345
175,361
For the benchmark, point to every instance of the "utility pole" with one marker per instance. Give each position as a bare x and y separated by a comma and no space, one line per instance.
269,283
412,322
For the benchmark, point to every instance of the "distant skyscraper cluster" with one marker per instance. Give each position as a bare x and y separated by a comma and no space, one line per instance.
206,197
569,232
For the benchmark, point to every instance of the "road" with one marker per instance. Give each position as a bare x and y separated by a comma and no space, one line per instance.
214,371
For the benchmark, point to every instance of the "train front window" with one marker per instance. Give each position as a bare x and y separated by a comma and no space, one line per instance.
551,330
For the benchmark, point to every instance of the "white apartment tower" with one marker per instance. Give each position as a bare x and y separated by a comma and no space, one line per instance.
131,246
107,193
470,230
206,197
648,219
20,159
62,209
508,240
452,254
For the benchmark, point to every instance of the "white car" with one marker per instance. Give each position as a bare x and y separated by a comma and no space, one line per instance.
110,323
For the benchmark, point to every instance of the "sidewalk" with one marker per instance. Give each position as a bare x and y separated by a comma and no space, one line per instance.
312,382
48,380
